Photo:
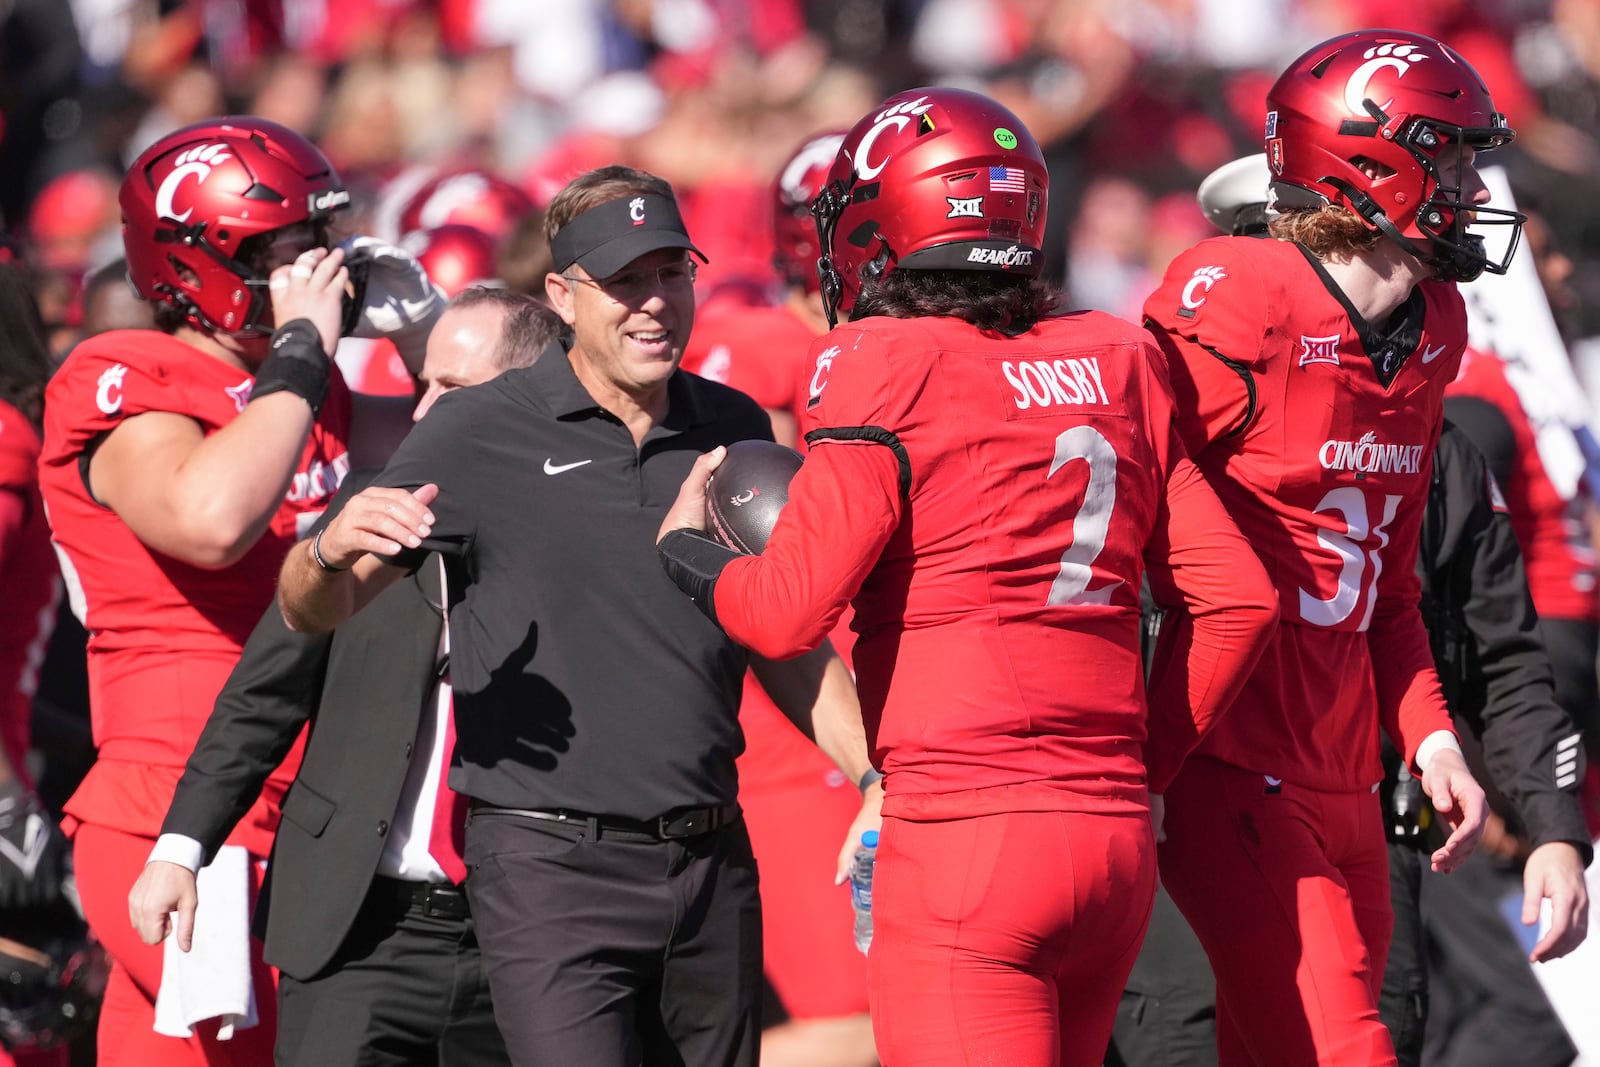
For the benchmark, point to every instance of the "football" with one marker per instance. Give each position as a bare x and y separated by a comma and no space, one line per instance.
747,491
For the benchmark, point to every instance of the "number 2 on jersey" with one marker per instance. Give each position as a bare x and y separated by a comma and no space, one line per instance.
1351,505
1093,520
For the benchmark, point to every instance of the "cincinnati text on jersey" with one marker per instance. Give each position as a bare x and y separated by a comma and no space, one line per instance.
1369,456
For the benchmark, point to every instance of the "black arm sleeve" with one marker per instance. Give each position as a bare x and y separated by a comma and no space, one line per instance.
1529,743
271,694
694,562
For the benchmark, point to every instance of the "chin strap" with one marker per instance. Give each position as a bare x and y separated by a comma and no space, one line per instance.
1454,265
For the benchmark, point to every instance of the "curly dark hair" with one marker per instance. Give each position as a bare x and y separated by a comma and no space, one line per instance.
990,300
25,362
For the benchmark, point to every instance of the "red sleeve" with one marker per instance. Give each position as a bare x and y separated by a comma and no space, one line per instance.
844,505
1222,607
1410,703
1210,315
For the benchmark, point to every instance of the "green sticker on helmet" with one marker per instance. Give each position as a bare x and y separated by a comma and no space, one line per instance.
1005,138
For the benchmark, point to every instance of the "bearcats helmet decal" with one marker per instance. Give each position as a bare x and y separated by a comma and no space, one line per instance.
1379,121
192,201
931,179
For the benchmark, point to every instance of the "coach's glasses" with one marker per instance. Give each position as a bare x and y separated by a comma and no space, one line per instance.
635,286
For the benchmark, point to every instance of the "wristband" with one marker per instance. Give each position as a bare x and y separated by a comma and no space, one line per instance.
298,364
872,775
316,556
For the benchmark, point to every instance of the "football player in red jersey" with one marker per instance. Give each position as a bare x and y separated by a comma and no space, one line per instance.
795,801
179,465
986,484
1310,372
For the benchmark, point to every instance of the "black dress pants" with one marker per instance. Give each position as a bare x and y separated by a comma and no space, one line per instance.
612,949
406,989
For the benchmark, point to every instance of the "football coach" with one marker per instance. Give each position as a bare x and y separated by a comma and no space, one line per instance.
609,870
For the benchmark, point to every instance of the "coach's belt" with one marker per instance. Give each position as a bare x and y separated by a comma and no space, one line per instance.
688,822
442,899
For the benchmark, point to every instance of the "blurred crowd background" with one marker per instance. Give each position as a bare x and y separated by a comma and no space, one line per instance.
1134,101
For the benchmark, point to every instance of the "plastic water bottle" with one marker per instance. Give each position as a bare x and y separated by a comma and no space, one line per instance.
861,888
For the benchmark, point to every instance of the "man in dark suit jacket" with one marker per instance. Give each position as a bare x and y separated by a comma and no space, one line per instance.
371,932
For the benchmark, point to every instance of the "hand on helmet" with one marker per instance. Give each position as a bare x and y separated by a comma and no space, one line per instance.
399,301
312,287
32,850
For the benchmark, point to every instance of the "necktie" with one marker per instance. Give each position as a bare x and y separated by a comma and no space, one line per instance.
447,836
446,841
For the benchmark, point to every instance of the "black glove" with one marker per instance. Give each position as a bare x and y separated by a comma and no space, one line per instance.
32,850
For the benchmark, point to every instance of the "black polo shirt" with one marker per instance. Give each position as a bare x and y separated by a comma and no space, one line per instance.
583,678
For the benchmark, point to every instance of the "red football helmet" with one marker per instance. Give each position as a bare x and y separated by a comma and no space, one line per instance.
198,204
467,198
932,179
1403,107
455,256
795,252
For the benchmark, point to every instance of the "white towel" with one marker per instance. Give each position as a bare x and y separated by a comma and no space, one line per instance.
212,979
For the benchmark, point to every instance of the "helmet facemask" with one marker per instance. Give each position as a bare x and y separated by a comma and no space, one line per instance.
1441,223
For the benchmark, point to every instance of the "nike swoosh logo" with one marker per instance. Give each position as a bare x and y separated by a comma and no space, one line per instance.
1431,354
550,467
1271,780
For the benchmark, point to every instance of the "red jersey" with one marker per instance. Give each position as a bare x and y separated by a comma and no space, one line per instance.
28,576
1320,444
987,501
1550,530
163,634
760,351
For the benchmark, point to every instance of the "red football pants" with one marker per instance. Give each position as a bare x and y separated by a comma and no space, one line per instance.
1006,938
107,864
1288,890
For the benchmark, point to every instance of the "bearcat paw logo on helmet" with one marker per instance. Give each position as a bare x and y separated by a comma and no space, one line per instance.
206,153
898,117
196,163
1398,57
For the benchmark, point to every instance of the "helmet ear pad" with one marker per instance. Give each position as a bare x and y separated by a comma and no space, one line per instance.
932,179
199,201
